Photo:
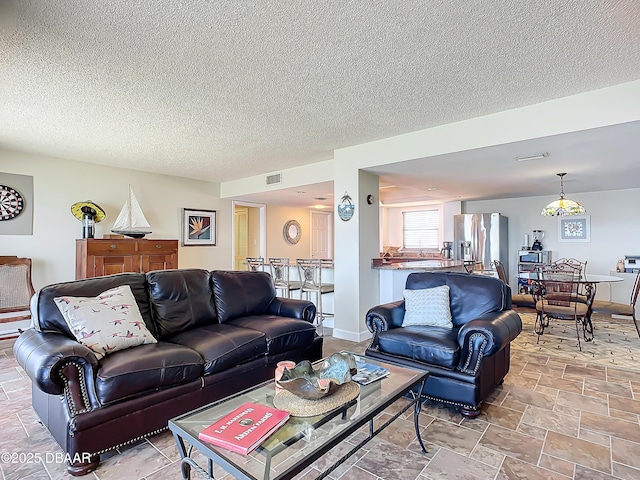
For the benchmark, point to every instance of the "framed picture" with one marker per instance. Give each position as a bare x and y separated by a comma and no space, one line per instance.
574,228
198,227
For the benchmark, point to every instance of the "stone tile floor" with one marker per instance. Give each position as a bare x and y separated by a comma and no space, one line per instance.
553,418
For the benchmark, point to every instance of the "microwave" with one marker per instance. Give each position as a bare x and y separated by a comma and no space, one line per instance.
534,256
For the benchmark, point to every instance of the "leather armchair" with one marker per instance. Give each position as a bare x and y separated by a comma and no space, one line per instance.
465,362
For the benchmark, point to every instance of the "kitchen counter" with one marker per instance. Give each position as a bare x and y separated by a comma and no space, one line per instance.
393,275
420,265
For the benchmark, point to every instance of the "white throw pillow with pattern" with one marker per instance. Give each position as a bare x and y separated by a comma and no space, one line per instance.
107,323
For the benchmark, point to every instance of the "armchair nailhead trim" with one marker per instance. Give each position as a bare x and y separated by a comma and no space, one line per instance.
73,410
374,330
463,405
465,369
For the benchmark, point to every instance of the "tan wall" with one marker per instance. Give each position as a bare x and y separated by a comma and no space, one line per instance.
277,246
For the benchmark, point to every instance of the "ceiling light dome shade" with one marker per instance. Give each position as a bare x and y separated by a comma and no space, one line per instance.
562,206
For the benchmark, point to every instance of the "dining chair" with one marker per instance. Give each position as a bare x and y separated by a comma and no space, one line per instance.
16,289
255,264
517,299
581,269
555,292
310,274
616,308
280,273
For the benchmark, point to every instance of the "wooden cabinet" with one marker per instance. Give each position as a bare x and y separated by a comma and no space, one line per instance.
98,257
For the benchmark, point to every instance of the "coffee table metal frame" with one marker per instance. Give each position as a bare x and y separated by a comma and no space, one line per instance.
220,456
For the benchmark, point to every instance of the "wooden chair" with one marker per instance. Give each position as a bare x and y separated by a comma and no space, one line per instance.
255,264
16,290
517,299
555,293
280,270
615,308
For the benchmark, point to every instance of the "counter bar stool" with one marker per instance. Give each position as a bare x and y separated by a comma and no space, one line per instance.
255,264
280,274
310,272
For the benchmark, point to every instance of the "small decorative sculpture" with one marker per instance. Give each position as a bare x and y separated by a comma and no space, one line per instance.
305,382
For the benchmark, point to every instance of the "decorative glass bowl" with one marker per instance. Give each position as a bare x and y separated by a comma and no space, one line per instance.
305,382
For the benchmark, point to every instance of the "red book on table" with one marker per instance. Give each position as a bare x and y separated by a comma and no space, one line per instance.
245,428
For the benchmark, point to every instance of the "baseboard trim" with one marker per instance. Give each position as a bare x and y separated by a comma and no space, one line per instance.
352,336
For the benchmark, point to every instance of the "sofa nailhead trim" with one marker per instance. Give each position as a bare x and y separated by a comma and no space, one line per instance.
133,440
73,410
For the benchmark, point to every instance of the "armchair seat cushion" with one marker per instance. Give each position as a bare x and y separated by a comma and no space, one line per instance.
282,335
426,344
222,346
146,368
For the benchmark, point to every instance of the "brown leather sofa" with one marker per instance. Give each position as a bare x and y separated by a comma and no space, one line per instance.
218,333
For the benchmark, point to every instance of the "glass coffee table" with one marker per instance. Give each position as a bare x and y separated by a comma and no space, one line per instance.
302,440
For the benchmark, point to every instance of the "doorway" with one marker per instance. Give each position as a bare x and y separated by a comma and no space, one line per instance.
321,234
248,233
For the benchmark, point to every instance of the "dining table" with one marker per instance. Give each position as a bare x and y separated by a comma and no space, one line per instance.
590,282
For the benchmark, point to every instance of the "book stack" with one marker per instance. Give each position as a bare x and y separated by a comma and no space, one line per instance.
245,428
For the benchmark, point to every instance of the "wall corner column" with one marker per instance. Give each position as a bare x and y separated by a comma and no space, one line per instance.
356,243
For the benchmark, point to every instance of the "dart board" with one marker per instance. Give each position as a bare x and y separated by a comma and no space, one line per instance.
11,203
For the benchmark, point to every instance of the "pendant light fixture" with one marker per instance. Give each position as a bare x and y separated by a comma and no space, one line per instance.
562,206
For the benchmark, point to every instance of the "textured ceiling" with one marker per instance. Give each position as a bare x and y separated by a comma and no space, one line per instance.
220,90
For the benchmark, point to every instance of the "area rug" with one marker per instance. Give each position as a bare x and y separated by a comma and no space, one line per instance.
615,342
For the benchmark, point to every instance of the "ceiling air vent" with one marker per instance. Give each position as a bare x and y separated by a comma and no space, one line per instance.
274,179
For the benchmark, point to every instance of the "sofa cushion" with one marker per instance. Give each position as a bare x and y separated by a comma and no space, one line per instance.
241,294
432,345
222,346
427,306
107,323
145,368
181,300
282,334
470,296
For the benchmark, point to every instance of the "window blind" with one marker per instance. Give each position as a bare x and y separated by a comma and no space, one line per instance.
420,229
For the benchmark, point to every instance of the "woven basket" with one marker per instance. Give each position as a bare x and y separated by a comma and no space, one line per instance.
301,407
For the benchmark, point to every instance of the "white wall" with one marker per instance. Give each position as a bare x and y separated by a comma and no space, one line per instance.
60,183
614,233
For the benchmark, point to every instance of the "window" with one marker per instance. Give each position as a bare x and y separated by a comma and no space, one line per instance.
421,229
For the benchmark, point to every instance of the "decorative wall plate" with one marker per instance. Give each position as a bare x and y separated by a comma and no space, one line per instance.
346,208
11,203
292,232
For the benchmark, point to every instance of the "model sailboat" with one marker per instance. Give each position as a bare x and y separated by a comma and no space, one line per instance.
131,221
